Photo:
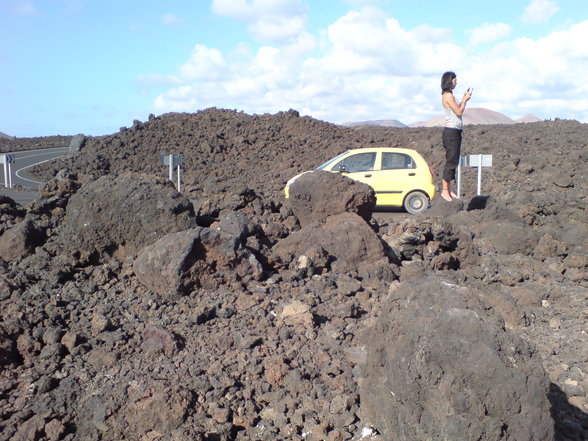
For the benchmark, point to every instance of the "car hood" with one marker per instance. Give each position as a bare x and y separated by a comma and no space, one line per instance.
291,181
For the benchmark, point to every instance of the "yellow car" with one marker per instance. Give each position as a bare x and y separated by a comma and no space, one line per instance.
400,177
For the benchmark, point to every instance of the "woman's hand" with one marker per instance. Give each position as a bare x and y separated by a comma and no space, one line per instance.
467,95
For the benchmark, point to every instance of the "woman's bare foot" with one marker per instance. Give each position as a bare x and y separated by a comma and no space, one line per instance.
446,192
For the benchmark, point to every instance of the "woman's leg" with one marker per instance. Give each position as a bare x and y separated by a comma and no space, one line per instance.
452,144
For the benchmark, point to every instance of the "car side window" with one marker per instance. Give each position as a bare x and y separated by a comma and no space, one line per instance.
394,161
357,163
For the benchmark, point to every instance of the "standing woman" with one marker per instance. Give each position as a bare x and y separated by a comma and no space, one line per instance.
452,131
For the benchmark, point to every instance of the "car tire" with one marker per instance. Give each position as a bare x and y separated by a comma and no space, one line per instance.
416,202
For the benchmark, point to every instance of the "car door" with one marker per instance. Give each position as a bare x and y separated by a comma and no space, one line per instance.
357,166
395,179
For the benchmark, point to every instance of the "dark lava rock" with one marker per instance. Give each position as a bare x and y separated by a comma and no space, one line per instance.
318,194
90,352
510,237
129,211
8,351
20,241
157,339
439,367
10,213
347,240
179,261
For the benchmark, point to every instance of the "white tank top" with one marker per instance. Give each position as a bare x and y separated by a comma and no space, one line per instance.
452,121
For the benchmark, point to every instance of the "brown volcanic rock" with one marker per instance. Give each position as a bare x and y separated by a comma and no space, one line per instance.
439,366
260,153
134,410
178,261
10,213
13,144
281,357
20,241
318,194
511,237
346,240
163,266
155,406
228,157
129,210
8,351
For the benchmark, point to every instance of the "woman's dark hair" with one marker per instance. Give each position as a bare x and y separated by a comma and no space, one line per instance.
446,81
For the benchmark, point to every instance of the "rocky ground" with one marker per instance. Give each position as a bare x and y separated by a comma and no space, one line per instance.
44,142
131,311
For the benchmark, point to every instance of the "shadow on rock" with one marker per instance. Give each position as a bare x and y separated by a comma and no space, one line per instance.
570,422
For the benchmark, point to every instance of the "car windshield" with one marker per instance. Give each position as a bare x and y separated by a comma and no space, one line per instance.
330,161
356,163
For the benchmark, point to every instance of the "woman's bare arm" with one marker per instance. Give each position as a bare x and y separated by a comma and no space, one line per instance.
449,101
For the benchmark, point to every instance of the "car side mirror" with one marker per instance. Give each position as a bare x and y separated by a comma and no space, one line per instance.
343,169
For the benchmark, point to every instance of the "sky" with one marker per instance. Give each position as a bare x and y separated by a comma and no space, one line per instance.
94,66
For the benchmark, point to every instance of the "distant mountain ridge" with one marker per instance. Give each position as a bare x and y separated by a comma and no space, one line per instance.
378,122
4,135
528,118
472,116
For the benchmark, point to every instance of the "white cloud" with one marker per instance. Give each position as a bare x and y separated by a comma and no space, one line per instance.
171,20
368,42
254,9
238,9
370,67
539,11
489,33
269,21
205,64
543,76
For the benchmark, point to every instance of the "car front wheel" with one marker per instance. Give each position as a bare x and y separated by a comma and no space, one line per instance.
416,202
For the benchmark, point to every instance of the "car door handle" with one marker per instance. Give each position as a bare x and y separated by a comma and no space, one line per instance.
412,174
367,175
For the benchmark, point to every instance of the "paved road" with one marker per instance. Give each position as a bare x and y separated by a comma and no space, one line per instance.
20,175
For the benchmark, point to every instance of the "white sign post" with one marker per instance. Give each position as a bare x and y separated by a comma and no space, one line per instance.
173,161
7,160
478,161
458,175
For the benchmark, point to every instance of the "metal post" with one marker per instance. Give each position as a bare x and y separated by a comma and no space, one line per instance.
171,167
5,172
478,161
480,177
9,175
458,180
179,168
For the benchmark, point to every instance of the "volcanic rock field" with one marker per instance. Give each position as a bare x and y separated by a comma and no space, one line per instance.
132,311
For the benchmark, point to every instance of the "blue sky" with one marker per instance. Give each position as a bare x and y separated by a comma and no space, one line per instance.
88,66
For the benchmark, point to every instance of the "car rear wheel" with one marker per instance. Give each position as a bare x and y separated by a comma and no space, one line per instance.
416,202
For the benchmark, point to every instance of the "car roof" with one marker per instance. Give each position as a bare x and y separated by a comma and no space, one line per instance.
411,152
384,149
